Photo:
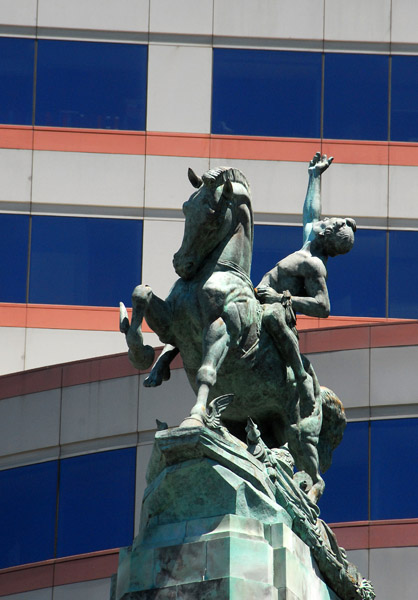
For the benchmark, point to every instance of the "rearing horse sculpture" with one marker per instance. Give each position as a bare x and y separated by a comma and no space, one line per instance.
214,320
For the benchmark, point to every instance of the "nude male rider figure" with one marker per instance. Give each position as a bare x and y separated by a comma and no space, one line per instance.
299,280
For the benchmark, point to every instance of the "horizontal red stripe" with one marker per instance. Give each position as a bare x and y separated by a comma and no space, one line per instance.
398,533
205,145
72,569
106,318
50,316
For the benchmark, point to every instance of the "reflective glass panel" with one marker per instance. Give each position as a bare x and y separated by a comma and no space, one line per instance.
394,474
356,96
91,84
404,99
268,93
346,492
28,500
16,80
96,502
86,261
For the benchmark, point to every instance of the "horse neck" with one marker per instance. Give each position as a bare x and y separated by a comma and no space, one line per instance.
238,247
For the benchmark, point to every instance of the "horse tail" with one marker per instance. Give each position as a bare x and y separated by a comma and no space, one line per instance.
333,425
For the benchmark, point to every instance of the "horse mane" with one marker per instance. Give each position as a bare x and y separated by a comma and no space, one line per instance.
218,176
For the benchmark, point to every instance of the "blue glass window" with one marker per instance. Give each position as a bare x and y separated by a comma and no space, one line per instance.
346,492
394,479
357,280
96,502
90,84
14,250
271,244
28,501
16,80
404,100
268,93
403,274
356,96
85,261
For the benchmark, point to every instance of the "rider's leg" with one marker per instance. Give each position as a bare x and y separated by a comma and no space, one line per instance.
286,342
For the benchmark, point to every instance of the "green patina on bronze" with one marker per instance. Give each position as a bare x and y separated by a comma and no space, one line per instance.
240,351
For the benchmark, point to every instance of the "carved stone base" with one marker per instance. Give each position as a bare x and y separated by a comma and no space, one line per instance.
222,558
212,528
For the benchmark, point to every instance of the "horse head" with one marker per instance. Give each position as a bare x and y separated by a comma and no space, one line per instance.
211,217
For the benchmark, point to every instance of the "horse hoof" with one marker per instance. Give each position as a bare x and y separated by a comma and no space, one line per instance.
192,422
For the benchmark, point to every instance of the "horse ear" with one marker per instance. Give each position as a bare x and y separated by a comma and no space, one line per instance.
227,193
194,179
351,223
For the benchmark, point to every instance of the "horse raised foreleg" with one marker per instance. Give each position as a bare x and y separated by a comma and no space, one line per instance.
144,303
161,370
215,347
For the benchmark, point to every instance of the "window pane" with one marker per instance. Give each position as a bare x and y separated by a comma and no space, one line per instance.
346,492
264,92
28,502
85,261
356,96
394,459
357,280
91,84
96,502
16,80
403,274
404,99
13,245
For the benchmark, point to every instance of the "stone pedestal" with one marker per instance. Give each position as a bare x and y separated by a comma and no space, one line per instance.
220,558
215,524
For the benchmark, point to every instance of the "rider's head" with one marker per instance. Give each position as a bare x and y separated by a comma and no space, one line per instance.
336,235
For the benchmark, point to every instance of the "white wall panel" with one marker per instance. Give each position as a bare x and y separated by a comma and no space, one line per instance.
15,175
12,349
179,89
404,21
360,558
358,20
29,422
276,186
166,182
346,373
99,409
88,178
161,240
270,19
18,12
55,346
355,191
393,377
44,594
123,15
181,16
170,402
393,572
403,186
98,589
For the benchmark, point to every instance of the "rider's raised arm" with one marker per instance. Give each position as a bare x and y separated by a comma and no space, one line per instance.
312,205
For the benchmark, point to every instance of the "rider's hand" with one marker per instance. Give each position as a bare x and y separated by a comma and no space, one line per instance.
266,295
319,164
